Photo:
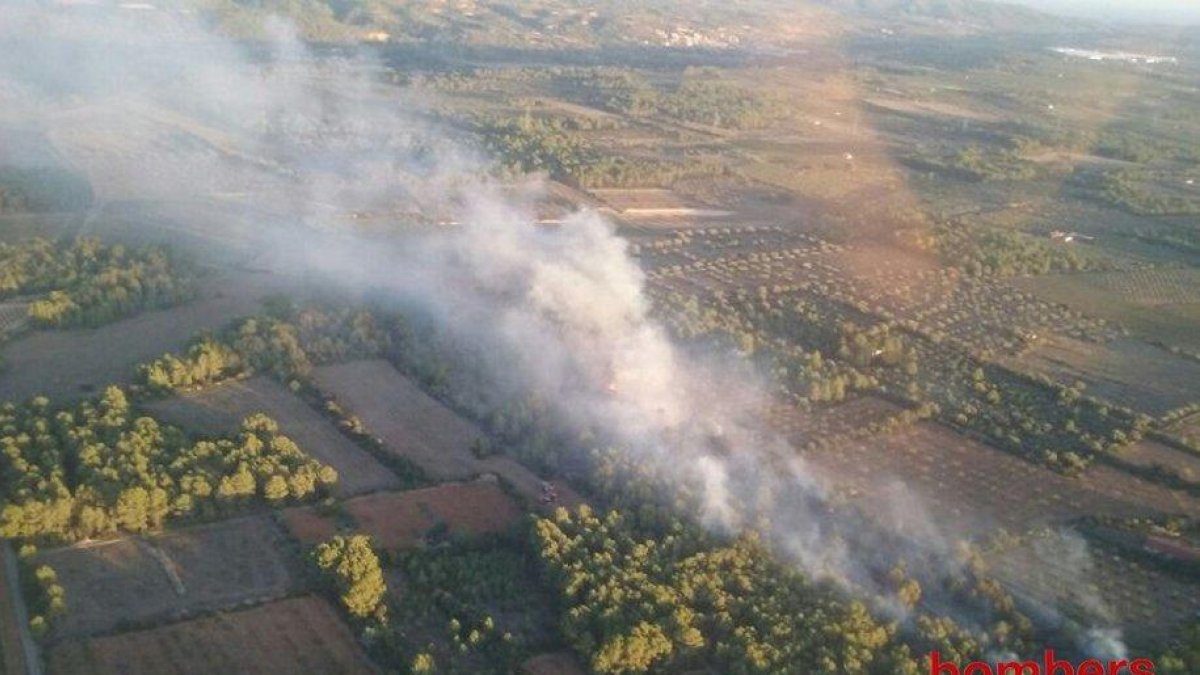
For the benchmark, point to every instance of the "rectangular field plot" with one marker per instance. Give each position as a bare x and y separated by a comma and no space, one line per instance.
1129,373
220,409
410,423
967,486
297,635
399,520
416,427
139,580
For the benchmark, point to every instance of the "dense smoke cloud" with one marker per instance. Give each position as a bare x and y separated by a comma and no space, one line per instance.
155,106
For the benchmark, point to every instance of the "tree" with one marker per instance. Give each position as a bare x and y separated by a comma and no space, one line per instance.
353,567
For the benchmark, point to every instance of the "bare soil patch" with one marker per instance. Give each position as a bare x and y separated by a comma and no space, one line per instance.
139,580
220,409
296,635
930,107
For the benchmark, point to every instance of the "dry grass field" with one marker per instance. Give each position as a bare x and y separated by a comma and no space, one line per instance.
220,409
410,423
139,580
296,635
70,364
1129,373
399,520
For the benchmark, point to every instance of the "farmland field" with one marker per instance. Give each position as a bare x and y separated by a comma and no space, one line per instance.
868,327
1150,454
1140,598
70,364
1128,373
134,581
220,410
400,520
410,423
296,635
967,485
1173,324
12,654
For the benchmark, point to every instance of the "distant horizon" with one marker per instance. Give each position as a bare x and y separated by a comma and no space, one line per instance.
1136,11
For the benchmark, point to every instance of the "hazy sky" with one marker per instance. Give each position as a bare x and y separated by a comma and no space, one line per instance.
1144,11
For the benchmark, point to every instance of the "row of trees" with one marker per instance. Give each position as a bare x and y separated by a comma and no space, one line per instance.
87,283
285,344
72,473
45,597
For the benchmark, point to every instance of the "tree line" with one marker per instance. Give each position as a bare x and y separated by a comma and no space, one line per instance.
84,282
284,343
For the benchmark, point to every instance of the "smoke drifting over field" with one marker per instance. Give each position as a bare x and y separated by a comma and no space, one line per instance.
560,311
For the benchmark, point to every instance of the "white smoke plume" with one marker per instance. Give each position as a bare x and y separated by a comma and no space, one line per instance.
290,144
